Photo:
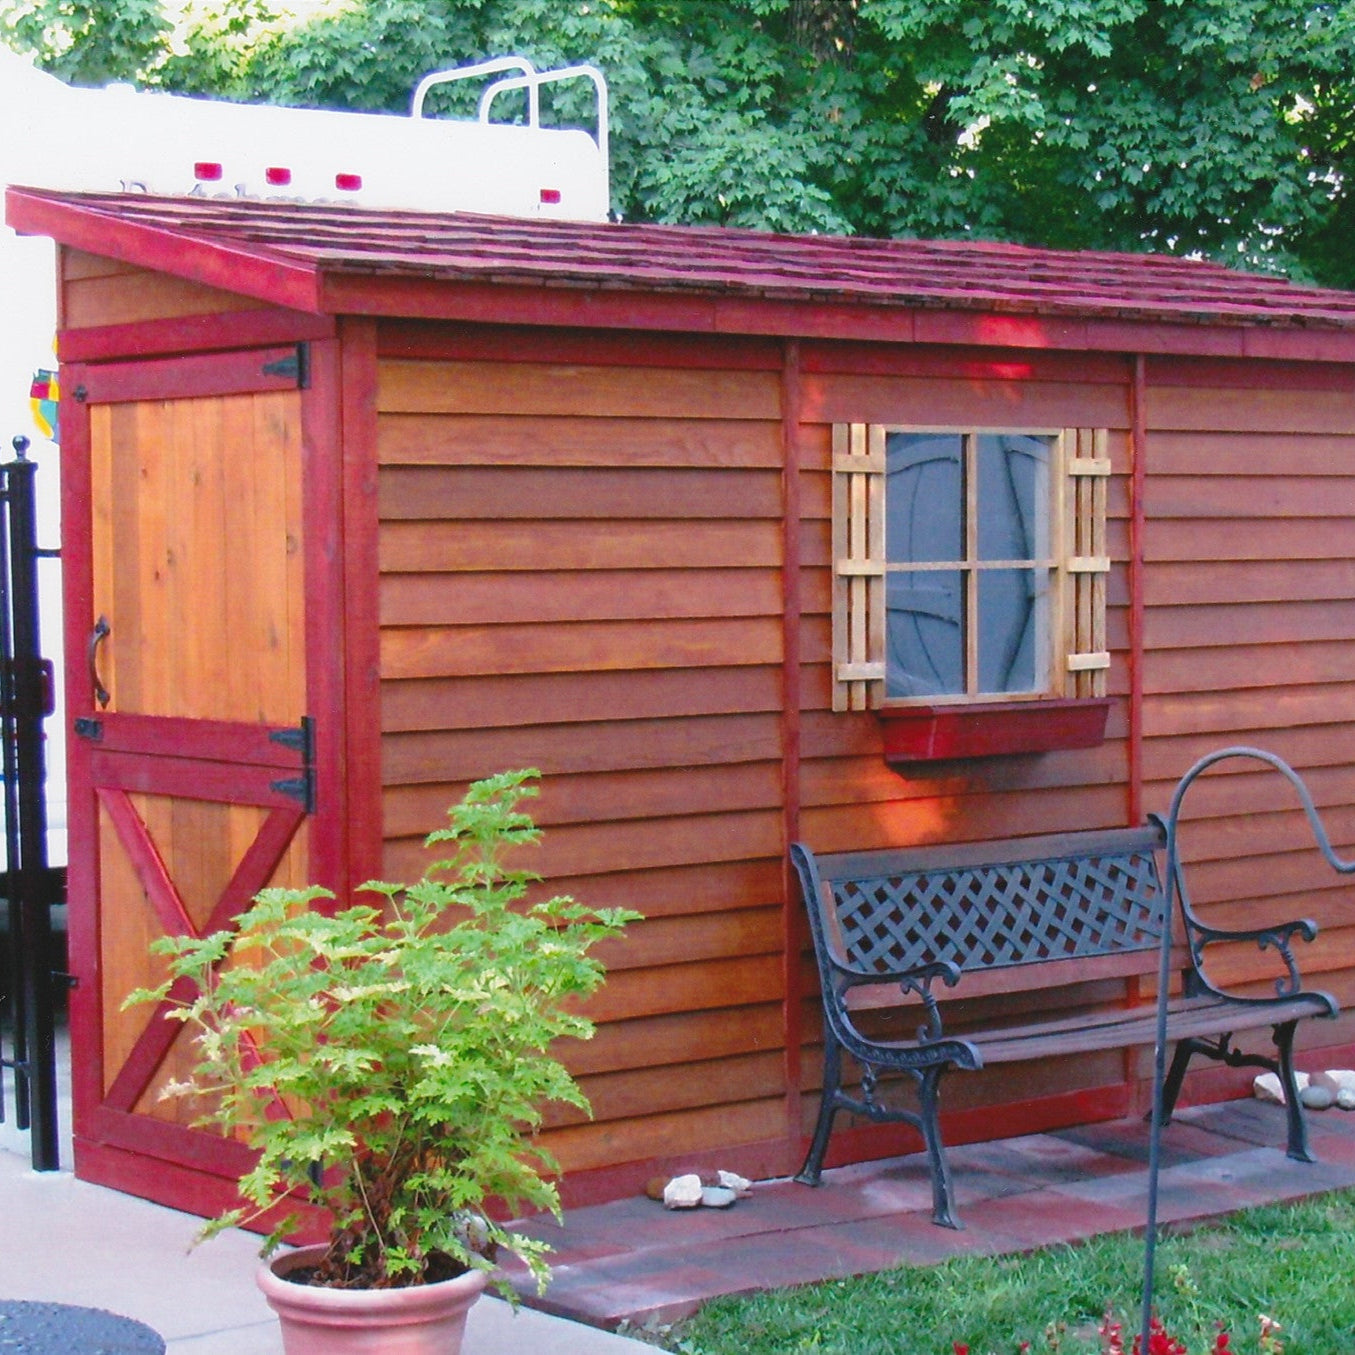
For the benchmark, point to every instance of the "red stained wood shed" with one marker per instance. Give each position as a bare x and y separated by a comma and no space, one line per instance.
361,506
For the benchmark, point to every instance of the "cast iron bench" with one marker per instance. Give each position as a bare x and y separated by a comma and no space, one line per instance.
1021,916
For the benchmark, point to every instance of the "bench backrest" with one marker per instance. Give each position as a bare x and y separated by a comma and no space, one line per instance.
1094,896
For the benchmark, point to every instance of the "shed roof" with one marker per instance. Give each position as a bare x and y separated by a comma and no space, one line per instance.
340,259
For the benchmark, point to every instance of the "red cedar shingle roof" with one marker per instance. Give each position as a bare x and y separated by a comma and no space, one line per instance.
697,260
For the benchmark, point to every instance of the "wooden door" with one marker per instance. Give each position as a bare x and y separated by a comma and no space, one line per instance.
192,770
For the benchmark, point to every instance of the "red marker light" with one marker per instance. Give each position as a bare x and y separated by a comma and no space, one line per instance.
551,195
277,176
349,183
207,170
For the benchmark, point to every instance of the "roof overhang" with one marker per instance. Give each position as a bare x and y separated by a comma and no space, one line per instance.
256,273
322,285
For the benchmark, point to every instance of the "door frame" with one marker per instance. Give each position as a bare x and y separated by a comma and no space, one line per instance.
313,367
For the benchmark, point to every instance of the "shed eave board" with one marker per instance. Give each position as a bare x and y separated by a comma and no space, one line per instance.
257,273
583,308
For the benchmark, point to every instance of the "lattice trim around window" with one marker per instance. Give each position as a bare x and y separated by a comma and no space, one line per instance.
1077,622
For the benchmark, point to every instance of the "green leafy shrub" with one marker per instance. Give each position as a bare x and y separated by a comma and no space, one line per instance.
388,1059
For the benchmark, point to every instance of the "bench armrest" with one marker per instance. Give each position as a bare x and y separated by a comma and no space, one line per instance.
917,982
1277,938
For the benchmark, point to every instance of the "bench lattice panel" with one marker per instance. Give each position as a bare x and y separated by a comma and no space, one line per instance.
996,915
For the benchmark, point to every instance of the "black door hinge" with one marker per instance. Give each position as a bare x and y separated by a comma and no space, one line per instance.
88,728
296,365
300,739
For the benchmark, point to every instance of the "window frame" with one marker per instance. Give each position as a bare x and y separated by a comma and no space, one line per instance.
1075,656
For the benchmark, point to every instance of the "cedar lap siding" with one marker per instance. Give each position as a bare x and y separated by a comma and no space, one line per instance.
576,479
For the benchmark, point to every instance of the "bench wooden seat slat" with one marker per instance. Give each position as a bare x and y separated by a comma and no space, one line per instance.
906,929
1199,1018
1122,1028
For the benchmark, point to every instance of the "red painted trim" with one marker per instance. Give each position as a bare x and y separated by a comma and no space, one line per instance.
149,1051
192,334
514,304
201,740
489,303
1296,345
361,598
192,1190
1248,375
326,619
1138,480
179,378
222,782
206,1153
247,272
966,363
792,926
914,734
769,1158
578,347
82,874
146,861
256,867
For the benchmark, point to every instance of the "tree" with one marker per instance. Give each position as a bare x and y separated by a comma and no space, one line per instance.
87,42
1215,127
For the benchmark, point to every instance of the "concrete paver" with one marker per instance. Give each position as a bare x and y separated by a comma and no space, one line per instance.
636,1263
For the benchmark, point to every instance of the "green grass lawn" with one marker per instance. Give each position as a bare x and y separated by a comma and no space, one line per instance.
1295,1263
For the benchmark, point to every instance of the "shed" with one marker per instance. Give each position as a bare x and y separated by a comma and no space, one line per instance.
739,538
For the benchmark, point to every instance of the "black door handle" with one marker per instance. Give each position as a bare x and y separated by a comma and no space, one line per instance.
96,637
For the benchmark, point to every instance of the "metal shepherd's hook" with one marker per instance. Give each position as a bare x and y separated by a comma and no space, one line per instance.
1164,975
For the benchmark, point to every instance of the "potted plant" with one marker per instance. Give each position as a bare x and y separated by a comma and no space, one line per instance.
389,1062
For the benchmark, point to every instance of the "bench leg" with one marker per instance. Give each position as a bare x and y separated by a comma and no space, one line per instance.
1171,1086
1282,1064
943,1192
1298,1129
812,1171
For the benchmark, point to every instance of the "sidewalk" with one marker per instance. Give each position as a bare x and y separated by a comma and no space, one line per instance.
70,1242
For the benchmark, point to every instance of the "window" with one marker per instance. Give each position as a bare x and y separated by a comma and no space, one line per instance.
970,564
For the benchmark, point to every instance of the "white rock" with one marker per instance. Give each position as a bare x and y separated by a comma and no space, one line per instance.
740,1185
1345,1098
1338,1079
1267,1087
1317,1098
682,1192
717,1197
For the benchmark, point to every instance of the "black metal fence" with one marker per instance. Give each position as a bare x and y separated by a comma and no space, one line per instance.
30,981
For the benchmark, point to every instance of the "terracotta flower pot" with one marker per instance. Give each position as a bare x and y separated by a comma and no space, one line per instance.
426,1319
